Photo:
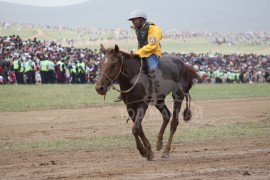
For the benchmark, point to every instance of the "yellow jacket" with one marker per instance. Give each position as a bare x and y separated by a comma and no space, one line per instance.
153,46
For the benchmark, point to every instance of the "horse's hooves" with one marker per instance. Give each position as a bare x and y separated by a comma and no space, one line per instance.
145,154
165,156
159,145
150,156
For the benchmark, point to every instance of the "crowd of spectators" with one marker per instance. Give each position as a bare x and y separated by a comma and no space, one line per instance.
33,61
233,68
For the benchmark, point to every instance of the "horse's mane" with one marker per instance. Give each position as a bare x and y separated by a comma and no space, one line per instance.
127,55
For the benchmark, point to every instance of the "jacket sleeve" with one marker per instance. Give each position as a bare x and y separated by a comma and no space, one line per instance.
154,37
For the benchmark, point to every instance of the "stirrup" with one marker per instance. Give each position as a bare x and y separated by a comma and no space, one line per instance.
118,99
152,101
153,97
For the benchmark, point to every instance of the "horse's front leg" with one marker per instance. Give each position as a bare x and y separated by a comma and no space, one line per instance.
142,142
133,115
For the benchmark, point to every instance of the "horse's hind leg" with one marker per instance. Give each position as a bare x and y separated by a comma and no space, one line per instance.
166,118
178,99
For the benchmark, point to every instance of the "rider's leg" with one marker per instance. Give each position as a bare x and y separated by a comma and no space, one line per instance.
152,64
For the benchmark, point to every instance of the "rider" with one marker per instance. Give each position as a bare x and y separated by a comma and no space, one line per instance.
149,36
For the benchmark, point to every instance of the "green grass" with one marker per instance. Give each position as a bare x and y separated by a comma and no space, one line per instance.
224,131
92,143
24,33
16,98
188,135
229,91
42,97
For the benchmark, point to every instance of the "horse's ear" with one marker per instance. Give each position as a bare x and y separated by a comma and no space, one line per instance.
116,48
102,49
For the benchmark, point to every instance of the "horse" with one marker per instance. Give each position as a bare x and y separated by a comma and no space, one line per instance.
174,77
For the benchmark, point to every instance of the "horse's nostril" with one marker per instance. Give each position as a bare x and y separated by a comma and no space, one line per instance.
100,88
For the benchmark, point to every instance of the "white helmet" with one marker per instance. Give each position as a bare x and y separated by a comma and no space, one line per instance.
137,13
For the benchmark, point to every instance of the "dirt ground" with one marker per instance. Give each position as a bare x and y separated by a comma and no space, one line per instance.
230,159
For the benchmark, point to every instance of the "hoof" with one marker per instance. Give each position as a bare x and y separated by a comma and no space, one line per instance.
150,156
165,156
159,145
145,154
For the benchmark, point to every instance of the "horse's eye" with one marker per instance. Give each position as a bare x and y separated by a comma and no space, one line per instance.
112,66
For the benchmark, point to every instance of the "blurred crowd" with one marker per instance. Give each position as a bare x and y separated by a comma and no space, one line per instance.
233,68
33,61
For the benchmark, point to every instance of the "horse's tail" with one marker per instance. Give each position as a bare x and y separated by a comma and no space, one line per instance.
187,115
190,75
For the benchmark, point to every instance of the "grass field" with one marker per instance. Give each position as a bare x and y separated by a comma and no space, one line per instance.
43,97
187,135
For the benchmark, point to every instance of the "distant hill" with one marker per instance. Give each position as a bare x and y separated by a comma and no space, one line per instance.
182,15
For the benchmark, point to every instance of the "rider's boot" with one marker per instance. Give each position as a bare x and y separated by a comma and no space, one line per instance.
153,91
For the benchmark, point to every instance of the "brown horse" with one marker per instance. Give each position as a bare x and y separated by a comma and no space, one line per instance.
173,76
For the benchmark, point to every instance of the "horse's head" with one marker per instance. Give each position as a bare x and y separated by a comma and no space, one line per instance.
110,68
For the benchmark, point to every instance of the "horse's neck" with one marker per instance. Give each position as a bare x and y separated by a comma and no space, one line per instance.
130,69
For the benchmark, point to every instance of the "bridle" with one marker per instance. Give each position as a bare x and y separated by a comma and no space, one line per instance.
120,71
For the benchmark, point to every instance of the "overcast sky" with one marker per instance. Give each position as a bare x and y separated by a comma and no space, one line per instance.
46,3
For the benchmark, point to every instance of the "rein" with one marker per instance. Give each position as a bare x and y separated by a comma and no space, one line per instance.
111,85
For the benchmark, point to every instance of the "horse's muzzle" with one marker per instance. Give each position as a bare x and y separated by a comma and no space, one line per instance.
101,90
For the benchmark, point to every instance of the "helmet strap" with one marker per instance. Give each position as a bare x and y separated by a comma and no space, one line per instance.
142,21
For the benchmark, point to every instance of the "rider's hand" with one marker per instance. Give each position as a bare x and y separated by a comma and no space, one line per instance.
136,56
